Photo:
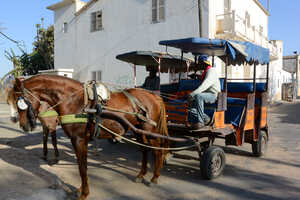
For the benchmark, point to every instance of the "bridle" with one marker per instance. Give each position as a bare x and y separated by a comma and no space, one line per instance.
24,104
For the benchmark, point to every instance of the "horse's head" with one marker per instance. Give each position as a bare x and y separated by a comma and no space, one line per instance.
27,104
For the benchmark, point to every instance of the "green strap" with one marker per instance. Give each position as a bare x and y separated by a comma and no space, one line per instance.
73,118
49,113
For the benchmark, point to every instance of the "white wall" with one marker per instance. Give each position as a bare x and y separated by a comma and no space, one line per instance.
127,27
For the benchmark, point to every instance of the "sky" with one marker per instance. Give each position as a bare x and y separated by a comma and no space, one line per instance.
18,19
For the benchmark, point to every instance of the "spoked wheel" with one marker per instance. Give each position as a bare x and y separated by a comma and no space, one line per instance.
212,162
260,147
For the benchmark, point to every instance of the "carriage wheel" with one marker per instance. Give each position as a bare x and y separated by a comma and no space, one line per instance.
113,141
259,148
212,162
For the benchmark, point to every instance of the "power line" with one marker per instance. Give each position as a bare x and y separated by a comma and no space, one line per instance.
7,37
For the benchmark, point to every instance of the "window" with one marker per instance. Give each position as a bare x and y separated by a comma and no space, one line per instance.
96,75
261,29
248,19
65,27
96,21
158,11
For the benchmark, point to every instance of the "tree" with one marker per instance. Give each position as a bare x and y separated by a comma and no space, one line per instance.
42,56
16,60
44,45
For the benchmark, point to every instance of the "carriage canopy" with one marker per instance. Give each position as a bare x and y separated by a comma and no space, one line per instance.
236,52
170,62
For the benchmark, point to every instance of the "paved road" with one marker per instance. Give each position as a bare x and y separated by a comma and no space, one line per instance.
277,176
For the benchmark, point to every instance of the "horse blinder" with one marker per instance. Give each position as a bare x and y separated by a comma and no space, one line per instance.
23,105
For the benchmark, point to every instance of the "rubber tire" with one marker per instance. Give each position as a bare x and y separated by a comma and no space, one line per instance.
113,141
257,149
206,159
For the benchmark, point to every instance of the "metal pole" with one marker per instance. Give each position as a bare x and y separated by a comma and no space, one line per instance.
297,78
134,69
267,85
254,78
225,81
200,17
159,62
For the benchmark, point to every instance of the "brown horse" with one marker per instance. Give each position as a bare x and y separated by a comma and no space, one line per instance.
49,123
67,96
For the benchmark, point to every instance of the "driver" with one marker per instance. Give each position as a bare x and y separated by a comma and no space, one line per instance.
207,92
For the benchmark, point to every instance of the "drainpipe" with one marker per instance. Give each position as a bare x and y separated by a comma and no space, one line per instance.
200,17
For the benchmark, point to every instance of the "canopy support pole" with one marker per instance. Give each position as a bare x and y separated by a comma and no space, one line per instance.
134,71
254,78
159,63
225,81
181,66
187,68
267,84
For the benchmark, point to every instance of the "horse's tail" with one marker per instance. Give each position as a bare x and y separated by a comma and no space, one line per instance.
162,123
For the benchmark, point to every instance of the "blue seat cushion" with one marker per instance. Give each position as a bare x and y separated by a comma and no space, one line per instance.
235,108
245,87
185,85
169,88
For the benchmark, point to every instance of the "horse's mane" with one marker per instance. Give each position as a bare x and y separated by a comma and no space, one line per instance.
51,77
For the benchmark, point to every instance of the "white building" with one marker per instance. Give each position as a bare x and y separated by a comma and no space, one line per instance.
88,35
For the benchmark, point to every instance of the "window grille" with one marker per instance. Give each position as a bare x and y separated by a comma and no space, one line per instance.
96,21
158,11
65,27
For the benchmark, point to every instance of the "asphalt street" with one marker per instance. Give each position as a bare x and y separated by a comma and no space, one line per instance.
112,171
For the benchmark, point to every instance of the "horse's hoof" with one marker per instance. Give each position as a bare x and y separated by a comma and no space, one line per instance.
138,180
44,158
152,184
53,162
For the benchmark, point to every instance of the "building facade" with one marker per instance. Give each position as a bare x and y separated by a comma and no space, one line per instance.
89,35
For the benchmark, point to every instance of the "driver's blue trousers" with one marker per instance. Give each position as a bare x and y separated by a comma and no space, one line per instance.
196,110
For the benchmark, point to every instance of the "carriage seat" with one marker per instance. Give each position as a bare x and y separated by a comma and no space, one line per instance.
245,87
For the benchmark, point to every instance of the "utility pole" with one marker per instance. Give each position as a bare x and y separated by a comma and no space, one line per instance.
200,17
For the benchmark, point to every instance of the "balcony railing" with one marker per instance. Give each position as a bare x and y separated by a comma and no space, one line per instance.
232,26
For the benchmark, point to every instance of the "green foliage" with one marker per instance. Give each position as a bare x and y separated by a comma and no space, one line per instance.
41,57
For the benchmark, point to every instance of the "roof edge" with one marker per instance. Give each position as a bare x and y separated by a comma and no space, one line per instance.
262,7
85,7
60,4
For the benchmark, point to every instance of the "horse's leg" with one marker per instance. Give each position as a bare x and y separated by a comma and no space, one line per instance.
143,171
54,143
158,163
45,141
80,147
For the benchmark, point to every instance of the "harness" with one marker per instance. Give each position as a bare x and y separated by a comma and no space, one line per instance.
97,104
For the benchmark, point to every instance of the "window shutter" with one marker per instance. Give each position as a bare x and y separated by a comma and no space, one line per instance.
93,21
94,76
154,11
99,76
99,20
161,10
65,27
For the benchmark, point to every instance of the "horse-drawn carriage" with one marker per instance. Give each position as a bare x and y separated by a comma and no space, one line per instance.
239,115
240,112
